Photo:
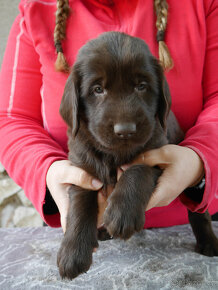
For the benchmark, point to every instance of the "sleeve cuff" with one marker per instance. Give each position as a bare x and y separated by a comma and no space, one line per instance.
199,203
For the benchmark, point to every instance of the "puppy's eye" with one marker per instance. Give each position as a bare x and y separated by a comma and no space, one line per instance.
98,90
141,86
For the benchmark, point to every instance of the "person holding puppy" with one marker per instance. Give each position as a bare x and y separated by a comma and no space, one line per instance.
33,149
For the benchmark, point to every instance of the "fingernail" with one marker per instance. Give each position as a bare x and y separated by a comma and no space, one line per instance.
125,167
96,183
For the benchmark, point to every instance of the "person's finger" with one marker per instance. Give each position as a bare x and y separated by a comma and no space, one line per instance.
64,222
151,158
74,175
61,198
102,204
155,157
162,195
119,173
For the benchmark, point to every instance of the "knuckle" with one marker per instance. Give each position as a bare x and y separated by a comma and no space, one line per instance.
164,151
82,178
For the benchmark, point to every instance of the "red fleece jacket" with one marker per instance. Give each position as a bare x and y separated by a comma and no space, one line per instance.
32,133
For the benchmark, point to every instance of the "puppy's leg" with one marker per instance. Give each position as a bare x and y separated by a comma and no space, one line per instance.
75,253
207,242
125,213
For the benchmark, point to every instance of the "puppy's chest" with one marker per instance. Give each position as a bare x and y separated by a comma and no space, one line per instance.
108,173
105,170
97,164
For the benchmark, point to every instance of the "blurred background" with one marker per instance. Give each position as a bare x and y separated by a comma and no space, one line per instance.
15,209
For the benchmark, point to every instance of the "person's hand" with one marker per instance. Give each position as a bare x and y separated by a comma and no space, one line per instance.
102,204
61,174
182,167
102,200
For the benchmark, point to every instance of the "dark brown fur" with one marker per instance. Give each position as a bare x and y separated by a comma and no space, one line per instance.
134,92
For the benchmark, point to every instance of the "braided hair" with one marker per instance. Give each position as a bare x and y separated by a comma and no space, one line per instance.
63,11
161,9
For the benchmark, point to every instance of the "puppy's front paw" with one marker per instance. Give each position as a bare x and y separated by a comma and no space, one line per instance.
123,219
74,258
208,248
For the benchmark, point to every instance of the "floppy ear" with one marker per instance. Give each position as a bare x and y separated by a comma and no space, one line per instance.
70,102
164,102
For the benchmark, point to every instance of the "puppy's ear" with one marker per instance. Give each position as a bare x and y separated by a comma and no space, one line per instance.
70,102
164,103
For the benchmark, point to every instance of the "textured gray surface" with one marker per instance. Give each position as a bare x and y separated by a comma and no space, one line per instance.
8,12
153,259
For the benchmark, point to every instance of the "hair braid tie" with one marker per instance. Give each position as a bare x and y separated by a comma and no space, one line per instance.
160,35
161,9
62,14
58,46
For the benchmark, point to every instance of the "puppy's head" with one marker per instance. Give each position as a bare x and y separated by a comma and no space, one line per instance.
118,90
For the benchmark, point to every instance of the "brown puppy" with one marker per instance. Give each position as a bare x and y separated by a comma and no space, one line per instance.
116,104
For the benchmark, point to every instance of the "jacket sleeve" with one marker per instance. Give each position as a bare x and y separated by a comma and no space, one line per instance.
26,148
203,137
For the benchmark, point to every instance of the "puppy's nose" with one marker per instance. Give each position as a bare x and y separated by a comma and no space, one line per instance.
125,130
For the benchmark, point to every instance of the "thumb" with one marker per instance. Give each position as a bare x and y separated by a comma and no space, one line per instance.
169,187
63,222
151,158
77,176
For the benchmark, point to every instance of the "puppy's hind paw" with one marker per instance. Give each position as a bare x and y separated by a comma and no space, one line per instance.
208,248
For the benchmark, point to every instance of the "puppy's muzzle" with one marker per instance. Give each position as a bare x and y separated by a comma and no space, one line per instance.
125,130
